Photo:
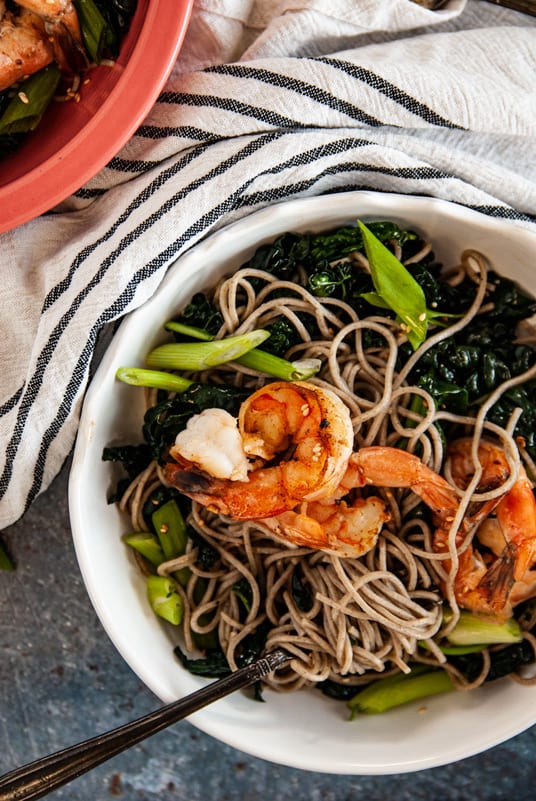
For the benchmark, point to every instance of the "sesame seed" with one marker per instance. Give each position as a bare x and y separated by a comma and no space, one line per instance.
23,97
422,317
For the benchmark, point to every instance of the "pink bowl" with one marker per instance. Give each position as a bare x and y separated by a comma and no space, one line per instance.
75,140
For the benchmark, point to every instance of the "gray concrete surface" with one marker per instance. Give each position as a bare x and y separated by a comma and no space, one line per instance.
61,681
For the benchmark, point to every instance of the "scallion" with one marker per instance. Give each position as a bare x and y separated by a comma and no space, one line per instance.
275,366
147,545
189,331
99,38
157,379
26,108
394,691
396,287
164,599
203,355
170,529
471,629
257,359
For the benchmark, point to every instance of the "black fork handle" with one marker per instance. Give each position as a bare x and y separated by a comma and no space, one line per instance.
50,772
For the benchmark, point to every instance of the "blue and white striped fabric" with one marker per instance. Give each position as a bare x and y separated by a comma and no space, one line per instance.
269,100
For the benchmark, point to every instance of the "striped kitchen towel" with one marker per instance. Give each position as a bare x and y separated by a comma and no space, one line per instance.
269,99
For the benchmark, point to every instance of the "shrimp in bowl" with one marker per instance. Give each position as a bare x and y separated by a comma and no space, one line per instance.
298,465
293,467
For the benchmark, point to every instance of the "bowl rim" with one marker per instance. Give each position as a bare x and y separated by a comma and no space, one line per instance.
226,723
85,154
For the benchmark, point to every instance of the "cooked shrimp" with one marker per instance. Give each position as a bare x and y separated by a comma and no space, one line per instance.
39,33
225,457
24,47
299,438
493,582
348,529
383,466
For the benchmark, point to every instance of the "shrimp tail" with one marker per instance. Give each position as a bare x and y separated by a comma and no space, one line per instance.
196,485
68,50
496,585
189,482
62,27
257,498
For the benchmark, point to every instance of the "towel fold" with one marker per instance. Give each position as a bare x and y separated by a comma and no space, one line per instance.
267,101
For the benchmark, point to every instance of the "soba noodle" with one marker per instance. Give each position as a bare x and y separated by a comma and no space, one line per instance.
364,616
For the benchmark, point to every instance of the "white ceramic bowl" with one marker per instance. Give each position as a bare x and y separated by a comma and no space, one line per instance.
304,730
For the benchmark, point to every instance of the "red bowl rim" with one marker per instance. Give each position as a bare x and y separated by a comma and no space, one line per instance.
131,99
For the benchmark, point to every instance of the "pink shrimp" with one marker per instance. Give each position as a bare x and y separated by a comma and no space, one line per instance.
24,47
346,528
300,439
35,35
297,439
492,582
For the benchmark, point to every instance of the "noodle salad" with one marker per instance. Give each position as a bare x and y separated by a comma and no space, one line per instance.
337,459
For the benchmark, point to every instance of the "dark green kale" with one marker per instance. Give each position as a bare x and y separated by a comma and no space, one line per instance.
337,691
242,590
214,664
462,370
201,313
285,255
502,661
118,14
282,257
207,556
283,336
133,458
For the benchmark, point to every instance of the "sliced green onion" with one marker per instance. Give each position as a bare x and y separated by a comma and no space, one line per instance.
170,529
147,544
277,367
172,534
138,377
98,36
396,287
257,359
203,355
164,599
474,630
454,650
25,110
394,691
189,331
